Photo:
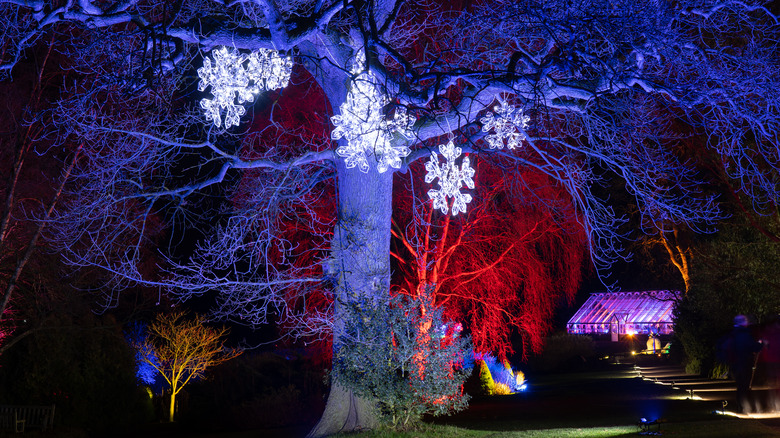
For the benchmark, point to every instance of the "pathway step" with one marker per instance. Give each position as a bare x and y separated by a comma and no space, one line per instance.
723,391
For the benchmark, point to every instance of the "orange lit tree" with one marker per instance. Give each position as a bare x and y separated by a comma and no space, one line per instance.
181,349
679,253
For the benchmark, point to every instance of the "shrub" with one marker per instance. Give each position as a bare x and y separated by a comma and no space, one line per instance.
87,371
486,383
719,371
502,389
400,354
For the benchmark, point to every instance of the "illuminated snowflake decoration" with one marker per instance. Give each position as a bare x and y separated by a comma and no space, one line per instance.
505,124
451,179
366,127
268,70
233,84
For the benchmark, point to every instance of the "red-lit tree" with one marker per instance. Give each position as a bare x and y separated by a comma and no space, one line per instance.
505,265
600,82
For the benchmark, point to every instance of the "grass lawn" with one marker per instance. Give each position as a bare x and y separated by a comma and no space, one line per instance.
714,428
603,403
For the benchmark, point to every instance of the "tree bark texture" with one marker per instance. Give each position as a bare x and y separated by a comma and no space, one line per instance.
361,260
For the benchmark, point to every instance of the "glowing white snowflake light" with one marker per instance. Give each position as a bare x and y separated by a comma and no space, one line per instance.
268,70
233,84
451,179
365,126
505,126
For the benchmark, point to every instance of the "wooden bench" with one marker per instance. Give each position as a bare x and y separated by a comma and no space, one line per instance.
18,418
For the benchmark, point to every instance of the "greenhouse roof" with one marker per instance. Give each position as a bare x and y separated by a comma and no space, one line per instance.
625,312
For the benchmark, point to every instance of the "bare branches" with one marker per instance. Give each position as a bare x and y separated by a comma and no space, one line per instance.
181,349
506,252
608,86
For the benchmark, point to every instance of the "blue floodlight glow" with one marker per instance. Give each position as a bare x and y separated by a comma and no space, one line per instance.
145,372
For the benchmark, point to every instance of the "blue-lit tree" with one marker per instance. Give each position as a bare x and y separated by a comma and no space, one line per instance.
603,87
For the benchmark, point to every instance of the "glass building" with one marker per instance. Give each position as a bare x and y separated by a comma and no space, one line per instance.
622,313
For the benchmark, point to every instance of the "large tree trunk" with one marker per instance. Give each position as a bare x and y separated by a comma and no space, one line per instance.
172,407
361,259
344,412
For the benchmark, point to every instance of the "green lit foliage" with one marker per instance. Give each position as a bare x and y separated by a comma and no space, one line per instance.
400,353
734,272
486,382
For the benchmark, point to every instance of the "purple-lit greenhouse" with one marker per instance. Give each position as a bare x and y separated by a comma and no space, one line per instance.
625,313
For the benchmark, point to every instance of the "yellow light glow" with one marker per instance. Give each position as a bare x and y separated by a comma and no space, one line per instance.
754,416
587,432
501,389
681,397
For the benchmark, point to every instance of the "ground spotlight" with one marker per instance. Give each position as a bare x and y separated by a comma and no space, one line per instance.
649,427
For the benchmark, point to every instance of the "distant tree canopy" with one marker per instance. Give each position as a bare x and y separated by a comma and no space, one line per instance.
735,272
82,365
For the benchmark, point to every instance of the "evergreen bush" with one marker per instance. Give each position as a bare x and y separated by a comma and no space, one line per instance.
401,353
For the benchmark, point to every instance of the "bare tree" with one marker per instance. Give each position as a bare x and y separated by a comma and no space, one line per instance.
603,84
34,173
182,349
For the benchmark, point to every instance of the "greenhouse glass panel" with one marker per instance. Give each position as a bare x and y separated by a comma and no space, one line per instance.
625,312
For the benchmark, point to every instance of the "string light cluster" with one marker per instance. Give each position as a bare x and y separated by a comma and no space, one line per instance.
233,84
507,125
451,179
236,78
366,127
